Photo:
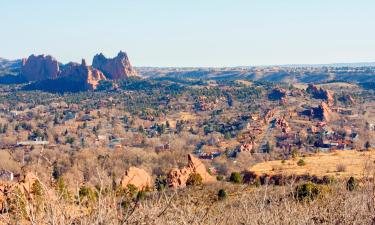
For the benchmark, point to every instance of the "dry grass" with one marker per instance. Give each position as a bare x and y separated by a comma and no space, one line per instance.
357,164
244,205
245,82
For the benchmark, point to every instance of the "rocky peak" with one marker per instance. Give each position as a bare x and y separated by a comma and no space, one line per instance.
41,67
178,177
114,68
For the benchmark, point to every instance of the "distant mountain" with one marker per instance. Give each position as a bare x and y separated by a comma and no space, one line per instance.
287,74
9,67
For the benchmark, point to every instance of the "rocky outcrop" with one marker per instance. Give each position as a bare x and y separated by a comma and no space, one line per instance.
116,68
347,99
282,124
73,78
323,112
320,93
247,147
89,76
137,177
277,94
41,67
178,177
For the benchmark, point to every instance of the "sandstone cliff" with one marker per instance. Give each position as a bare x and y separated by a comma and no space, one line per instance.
89,76
116,68
41,67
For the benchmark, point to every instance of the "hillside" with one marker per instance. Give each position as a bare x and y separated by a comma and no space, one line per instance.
338,164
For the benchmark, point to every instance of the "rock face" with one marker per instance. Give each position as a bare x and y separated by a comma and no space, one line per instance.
323,112
116,68
88,75
41,67
137,177
178,177
321,93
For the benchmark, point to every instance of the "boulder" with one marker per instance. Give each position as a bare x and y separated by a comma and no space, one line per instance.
177,178
41,67
137,177
116,68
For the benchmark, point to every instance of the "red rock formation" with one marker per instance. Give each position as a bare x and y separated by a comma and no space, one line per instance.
248,147
89,76
321,93
116,68
268,116
282,124
178,177
347,99
137,177
40,67
323,112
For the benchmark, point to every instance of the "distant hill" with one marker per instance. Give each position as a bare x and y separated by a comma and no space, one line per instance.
289,74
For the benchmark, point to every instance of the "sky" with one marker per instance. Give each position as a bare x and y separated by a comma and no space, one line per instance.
187,33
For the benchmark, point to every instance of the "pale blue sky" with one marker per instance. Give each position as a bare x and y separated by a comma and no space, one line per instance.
191,32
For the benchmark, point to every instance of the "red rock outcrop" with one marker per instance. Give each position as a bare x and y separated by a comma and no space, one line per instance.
348,99
282,124
89,76
323,112
116,68
41,67
137,177
321,93
247,147
178,177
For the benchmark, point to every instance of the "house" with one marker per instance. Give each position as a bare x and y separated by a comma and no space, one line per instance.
36,141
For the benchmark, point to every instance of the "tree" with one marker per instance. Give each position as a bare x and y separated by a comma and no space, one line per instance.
235,177
195,179
307,192
367,145
301,162
268,147
222,194
351,184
